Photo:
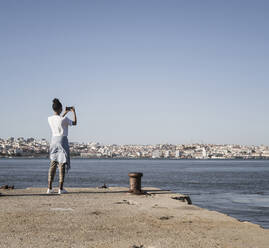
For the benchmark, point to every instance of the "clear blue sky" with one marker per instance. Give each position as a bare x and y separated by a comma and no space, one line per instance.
137,71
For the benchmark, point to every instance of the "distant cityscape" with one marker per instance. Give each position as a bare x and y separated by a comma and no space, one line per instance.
30,147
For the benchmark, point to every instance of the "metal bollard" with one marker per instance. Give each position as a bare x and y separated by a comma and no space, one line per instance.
135,182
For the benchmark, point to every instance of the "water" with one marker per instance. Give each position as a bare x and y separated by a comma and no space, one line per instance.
234,187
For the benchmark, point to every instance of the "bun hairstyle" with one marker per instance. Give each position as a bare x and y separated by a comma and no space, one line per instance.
56,105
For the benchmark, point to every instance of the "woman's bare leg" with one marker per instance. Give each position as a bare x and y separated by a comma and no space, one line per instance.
52,170
61,175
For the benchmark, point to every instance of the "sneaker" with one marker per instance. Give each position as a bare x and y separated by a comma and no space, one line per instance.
62,191
50,191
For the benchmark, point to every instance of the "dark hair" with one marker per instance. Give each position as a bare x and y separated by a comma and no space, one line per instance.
56,106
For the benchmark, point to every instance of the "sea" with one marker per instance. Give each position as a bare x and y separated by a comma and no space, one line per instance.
238,188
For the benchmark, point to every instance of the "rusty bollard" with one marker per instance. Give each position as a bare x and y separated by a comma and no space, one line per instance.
135,182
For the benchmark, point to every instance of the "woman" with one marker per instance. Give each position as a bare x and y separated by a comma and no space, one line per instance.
59,147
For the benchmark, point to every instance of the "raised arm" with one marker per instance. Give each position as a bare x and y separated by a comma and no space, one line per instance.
65,112
74,123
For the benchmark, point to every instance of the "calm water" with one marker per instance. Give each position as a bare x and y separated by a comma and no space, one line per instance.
237,188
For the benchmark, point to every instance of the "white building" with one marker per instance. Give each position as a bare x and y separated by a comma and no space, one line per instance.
156,154
177,154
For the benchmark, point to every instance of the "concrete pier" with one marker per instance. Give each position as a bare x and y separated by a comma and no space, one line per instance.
114,218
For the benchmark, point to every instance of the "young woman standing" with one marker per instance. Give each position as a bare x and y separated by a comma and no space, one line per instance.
59,147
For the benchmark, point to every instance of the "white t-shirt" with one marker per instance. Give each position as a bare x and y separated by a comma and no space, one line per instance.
59,125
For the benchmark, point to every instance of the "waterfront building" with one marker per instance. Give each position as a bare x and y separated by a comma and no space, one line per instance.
178,154
156,154
166,154
204,153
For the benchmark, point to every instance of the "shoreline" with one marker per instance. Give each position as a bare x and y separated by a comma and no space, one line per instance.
162,159
94,217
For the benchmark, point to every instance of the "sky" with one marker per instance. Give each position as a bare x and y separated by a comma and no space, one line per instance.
137,72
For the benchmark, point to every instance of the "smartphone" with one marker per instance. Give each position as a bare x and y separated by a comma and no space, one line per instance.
68,108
